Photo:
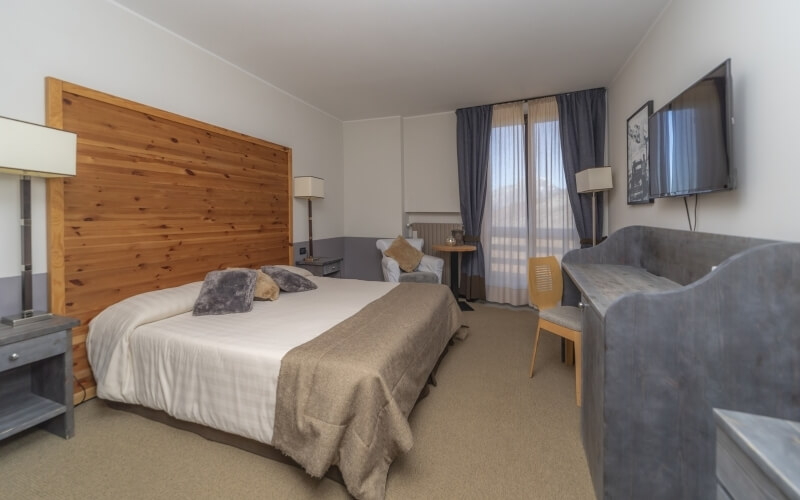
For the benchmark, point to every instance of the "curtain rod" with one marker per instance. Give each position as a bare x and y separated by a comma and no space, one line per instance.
542,96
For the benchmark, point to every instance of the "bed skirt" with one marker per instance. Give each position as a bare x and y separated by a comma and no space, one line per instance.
243,443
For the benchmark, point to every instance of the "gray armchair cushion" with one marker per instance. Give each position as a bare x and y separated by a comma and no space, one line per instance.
226,292
289,281
566,316
431,264
419,277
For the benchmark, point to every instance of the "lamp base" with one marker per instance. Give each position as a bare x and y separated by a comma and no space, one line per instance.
309,259
25,317
594,218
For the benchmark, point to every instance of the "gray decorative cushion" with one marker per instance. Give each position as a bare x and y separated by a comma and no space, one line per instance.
419,277
295,270
226,292
289,281
566,316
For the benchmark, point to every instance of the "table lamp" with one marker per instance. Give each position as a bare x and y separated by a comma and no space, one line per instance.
27,149
310,188
593,180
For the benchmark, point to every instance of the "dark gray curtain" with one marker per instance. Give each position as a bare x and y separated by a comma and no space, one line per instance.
473,131
582,124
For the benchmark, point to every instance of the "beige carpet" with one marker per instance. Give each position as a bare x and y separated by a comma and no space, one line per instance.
486,431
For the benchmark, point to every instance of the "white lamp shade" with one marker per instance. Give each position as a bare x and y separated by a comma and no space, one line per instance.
309,187
30,149
593,179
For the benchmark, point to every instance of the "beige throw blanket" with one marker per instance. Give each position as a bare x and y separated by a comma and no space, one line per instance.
344,397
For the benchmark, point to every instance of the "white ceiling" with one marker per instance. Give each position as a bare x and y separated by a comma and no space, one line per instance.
372,58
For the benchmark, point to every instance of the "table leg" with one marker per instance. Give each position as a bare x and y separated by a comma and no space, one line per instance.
454,275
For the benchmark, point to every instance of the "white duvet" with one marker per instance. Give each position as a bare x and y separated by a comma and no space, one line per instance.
219,371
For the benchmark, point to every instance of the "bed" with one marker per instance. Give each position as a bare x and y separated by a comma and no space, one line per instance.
328,376
330,388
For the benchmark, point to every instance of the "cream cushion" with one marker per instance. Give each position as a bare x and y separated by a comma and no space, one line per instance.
406,255
266,288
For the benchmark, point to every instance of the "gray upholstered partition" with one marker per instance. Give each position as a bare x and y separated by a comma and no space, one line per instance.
656,363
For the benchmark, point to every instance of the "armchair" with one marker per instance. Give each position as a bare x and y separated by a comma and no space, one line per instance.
391,269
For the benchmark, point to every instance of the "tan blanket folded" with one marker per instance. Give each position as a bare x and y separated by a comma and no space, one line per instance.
344,397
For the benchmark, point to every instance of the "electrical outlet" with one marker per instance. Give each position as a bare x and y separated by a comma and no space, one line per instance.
302,250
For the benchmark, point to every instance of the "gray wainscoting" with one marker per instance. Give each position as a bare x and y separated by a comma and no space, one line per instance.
328,247
362,259
11,294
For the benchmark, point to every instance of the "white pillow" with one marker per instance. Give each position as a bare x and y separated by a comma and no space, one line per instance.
296,270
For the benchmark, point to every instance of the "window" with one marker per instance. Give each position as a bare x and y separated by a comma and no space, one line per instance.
527,209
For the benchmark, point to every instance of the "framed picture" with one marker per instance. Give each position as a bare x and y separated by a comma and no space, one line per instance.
639,156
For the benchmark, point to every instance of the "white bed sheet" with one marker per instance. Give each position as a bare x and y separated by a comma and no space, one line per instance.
220,371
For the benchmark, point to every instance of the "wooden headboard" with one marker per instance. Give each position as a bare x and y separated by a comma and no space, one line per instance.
158,201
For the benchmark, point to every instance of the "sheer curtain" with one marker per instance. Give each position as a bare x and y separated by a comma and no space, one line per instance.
504,233
527,211
551,225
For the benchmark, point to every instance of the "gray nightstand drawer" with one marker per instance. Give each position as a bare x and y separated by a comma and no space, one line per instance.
28,351
331,268
323,266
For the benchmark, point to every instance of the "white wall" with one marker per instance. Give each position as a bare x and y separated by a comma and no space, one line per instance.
100,45
373,177
430,163
691,38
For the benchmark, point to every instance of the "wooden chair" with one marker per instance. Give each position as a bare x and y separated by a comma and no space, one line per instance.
545,286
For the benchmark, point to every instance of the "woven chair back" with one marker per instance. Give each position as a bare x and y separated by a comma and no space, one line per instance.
545,284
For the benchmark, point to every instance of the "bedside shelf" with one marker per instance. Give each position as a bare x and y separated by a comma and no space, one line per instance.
330,267
19,412
36,377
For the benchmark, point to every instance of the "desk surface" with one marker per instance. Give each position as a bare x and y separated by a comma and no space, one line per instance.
602,284
318,261
11,335
455,248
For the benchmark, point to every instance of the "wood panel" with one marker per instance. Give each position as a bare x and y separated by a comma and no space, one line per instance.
159,200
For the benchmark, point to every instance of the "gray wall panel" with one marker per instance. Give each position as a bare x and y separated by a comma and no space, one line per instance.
362,259
329,247
11,294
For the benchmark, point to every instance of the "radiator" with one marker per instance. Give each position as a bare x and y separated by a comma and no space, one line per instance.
434,233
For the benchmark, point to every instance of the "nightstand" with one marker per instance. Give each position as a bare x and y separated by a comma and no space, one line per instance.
330,267
36,377
757,456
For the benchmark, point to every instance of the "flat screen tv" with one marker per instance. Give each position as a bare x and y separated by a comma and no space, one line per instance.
690,139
